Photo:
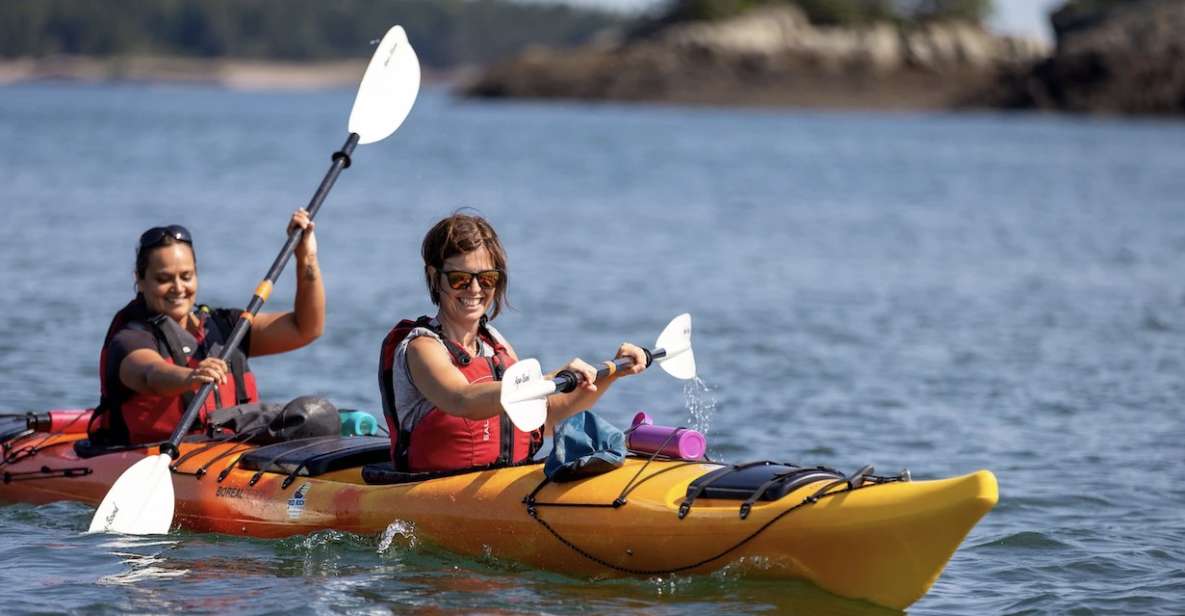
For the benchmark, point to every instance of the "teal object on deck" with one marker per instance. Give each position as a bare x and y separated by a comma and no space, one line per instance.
358,423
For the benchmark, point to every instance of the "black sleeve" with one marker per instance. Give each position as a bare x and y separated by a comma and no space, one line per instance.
123,343
130,339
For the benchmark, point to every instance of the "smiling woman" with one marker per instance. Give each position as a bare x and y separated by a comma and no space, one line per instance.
163,345
440,376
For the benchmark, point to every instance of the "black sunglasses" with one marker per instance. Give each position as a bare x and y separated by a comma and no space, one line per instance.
486,279
156,236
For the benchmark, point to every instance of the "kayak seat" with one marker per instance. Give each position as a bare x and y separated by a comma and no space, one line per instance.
385,474
310,457
86,448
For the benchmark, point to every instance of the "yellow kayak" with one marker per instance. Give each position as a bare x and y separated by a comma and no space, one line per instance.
881,539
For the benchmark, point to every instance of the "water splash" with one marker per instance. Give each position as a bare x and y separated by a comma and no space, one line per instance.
142,567
399,533
669,585
700,401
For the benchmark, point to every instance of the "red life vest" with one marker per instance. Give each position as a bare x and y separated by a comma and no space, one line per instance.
124,416
439,441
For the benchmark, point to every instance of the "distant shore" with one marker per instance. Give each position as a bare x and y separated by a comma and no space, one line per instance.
772,56
235,74
1109,57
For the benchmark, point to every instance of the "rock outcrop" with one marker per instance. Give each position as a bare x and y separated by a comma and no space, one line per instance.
772,56
1126,59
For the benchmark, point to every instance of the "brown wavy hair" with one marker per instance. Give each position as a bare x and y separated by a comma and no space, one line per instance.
456,235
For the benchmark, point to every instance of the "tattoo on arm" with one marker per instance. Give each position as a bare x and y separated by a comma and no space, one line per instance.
310,273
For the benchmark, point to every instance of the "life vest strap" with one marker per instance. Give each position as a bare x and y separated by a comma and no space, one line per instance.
400,453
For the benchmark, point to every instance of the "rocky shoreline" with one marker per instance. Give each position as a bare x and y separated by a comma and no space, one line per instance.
1119,60
772,56
1126,59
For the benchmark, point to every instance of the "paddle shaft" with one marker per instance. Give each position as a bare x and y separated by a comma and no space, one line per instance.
566,380
341,160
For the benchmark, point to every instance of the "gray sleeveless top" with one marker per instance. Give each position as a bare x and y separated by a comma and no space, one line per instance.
410,405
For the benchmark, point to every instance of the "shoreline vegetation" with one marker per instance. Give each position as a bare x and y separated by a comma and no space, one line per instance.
229,73
271,43
1110,56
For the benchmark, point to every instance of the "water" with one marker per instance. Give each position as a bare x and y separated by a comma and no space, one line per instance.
700,403
938,292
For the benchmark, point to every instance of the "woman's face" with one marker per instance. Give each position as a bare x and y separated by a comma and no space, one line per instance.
471,302
170,282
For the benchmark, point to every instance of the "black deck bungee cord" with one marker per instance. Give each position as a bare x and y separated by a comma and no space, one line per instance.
205,446
864,475
12,456
529,500
314,440
243,438
46,472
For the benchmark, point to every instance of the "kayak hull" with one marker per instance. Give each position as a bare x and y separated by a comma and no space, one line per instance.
884,543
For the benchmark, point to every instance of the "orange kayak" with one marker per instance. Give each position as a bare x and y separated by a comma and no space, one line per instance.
881,539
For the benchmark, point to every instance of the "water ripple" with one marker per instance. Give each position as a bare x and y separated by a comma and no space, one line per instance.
944,293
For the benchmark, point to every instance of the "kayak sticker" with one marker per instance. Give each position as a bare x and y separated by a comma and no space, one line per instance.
296,503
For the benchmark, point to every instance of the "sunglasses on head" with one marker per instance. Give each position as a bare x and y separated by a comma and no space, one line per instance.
487,279
156,235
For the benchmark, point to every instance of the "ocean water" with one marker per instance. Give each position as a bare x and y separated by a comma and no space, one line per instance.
938,292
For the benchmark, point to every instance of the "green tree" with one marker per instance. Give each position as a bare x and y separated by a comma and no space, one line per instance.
445,32
975,11
837,12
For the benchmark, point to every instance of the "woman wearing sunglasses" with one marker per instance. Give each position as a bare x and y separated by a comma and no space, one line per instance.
439,375
162,346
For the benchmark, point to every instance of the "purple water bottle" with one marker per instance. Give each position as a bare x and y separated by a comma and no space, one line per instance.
646,438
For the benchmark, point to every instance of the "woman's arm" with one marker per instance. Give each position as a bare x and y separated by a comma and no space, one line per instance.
585,396
277,332
445,387
448,390
146,372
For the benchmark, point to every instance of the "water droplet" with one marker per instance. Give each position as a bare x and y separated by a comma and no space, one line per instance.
701,403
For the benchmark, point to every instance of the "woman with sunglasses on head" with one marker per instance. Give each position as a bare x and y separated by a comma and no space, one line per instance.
163,346
439,375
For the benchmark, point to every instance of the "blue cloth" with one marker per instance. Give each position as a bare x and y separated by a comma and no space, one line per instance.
584,445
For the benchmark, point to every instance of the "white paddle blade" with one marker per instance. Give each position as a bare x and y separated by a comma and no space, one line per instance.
388,89
524,394
676,340
140,502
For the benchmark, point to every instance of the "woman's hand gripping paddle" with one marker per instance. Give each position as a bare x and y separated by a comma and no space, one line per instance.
141,500
525,391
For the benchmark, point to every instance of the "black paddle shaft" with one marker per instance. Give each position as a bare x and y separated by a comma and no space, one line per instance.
341,160
566,380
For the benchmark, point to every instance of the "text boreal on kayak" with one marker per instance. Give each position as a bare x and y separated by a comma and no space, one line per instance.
863,536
